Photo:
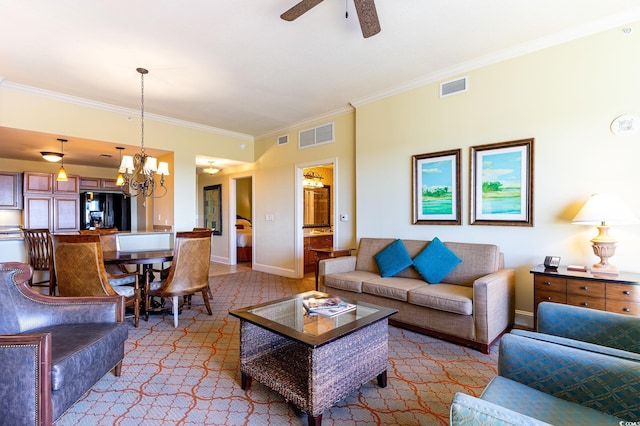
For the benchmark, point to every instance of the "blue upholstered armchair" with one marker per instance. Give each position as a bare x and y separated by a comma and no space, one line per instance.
52,349
588,329
581,364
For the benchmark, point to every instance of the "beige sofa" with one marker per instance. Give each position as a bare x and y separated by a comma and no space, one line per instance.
473,305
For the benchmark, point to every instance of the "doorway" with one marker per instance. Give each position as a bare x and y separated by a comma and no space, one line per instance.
241,215
316,209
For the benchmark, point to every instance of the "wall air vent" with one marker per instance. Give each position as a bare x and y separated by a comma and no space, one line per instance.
316,136
452,87
283,140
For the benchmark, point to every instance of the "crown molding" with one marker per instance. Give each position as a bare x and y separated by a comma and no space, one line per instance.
48,94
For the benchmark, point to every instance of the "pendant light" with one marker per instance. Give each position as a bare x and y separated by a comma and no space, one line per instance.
62,173
120,178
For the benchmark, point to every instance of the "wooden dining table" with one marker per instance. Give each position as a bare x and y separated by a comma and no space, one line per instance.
145,258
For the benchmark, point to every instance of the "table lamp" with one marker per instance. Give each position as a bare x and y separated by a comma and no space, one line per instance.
603,210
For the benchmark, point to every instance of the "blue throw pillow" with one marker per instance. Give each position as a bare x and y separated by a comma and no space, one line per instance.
435,261
393,259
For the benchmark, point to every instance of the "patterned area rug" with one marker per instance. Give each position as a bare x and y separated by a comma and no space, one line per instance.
190,375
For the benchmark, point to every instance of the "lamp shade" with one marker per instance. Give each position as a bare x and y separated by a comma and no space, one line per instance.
606,209
163,168
126,166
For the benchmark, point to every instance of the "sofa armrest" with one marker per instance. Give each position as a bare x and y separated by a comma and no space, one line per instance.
37,310
604,383
589,325
334,266
494,304
25,389
468,410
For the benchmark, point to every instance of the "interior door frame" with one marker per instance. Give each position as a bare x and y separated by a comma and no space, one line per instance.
299,207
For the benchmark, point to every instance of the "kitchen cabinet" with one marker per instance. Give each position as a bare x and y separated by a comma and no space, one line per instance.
51,204
10,190
98,184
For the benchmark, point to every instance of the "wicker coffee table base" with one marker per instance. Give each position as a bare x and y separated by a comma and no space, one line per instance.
311,378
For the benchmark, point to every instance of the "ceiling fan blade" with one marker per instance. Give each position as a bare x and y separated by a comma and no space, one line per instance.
368,17
299,9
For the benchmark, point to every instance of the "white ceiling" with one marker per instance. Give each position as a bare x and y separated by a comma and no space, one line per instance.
235,65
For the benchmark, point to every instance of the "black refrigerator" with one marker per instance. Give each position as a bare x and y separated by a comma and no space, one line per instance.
105,210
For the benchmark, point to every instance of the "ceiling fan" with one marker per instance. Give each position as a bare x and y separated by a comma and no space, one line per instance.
366,9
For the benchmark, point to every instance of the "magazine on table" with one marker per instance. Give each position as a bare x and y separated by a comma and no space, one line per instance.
327,306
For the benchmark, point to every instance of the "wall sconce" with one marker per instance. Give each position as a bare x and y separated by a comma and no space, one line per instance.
603,210
312,180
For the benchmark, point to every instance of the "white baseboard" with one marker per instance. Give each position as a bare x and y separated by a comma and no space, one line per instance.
524,319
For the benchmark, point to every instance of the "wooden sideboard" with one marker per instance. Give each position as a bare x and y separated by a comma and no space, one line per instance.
314,241
618,293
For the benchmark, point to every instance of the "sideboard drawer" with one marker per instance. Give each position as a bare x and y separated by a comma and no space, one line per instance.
623,307
585,288
628,292
555,284
586,301
550,296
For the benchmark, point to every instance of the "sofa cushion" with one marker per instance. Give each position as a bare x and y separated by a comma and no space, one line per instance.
525,400
350,281
478,260
393,259
392,287
435,261
79,348
453,298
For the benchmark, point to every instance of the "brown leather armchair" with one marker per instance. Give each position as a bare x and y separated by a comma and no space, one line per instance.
52,349
188,273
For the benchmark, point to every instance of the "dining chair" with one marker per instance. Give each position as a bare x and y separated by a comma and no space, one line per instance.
109,242
188,273
40,253
80,271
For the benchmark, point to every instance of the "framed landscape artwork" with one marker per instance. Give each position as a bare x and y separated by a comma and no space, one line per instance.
501,191
436,188
213,208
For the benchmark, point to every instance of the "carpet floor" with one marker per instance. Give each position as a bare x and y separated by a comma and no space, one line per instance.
190,375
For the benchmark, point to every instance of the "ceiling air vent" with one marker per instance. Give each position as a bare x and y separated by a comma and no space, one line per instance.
283,140
454,86
316,136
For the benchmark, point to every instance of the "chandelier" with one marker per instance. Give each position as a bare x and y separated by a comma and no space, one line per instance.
138,172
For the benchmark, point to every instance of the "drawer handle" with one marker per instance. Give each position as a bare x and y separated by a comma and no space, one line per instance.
548,298
626,292
547,283
585,304
626,309
585,288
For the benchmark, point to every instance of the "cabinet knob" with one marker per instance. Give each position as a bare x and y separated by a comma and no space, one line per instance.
626,292
547,283
585,288
585,304
626,309
548,298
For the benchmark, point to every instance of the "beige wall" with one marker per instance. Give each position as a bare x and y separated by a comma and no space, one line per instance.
565,97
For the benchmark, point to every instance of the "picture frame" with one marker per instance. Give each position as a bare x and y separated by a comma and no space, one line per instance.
501,184
436,188
213,208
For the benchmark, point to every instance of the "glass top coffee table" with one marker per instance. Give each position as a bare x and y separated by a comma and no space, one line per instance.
313,361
